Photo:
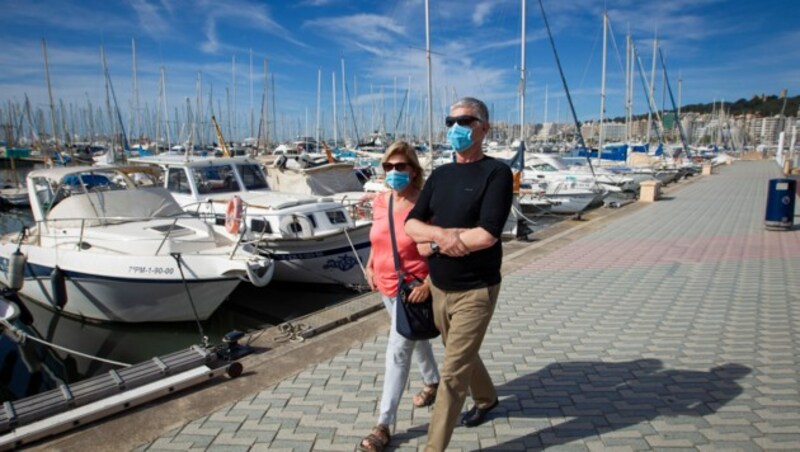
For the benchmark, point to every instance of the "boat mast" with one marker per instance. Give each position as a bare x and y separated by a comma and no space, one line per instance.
628,88
136,130
166,110
344,105
319,96
263,121
652,88
430,78
50,96
522,92
108,105
251,92
600,132
335,126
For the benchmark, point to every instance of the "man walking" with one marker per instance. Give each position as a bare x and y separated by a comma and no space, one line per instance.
457,221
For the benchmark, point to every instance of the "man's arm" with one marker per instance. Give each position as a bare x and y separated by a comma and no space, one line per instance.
447,238
477,239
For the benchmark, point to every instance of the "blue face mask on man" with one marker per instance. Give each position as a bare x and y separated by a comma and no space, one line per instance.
460,137
397,180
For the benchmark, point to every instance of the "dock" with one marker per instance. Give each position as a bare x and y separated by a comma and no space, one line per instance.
672,324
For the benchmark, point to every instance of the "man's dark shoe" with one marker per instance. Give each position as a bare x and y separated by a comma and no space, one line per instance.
476,416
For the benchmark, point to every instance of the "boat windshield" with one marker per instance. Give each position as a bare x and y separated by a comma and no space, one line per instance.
252,177
216,179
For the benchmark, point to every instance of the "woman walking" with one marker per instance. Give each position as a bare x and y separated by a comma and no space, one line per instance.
404,177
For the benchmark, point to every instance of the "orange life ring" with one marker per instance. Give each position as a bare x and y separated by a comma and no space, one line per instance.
233,215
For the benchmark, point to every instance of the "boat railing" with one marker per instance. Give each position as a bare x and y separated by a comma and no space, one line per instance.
82,223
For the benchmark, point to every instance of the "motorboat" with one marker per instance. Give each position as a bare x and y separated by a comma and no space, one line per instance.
14,196
312,238
552,167
106,248
570,192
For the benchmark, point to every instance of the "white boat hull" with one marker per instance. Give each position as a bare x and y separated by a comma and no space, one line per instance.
122,288
324,259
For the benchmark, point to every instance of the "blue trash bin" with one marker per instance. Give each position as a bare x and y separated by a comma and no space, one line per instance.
780,204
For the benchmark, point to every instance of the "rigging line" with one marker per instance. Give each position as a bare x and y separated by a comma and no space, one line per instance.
591,57
614,41
578,132
353,247
204,338
650,104
23,336
674,107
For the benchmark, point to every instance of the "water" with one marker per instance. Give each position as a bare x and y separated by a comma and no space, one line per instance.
248,309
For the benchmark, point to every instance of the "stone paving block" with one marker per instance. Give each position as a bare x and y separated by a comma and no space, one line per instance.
167,444
196,440
199,428
778,442
730,445
228,439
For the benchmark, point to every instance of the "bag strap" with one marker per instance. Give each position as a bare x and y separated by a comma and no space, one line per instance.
397,268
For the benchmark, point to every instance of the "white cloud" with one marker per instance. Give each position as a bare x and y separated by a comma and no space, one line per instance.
362,27
211,45
481,11
151,19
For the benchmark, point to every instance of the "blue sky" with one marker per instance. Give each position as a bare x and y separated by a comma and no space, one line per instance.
720,49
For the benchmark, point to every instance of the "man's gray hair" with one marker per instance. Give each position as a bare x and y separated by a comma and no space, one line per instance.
474,104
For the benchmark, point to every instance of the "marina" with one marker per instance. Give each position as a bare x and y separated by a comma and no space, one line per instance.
188,267
696,314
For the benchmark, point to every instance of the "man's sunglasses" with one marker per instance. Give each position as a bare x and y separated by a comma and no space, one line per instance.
460,120
394,166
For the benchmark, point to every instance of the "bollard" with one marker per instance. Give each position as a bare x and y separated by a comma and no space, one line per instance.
708,169
787,167
649,190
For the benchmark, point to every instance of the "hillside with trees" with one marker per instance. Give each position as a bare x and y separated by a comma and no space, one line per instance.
763,106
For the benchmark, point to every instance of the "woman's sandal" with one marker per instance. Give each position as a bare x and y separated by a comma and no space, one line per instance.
377,440
427,396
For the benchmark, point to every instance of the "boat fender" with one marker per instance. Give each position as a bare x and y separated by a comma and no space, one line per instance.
296,225
260,272
58,287
233,215
16,270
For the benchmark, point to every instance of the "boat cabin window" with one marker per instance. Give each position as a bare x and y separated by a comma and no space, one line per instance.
216,179
44,191
253,177
177,182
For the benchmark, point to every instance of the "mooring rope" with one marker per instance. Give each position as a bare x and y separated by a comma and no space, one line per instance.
291,332
23,336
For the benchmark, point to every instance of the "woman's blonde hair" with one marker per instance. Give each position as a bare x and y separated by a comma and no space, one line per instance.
405,149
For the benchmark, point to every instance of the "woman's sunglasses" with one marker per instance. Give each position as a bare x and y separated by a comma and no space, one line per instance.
402,166
460,120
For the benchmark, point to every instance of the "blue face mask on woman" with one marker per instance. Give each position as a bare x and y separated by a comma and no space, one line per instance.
460,137
397,180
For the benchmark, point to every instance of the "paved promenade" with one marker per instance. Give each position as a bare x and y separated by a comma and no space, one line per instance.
676,326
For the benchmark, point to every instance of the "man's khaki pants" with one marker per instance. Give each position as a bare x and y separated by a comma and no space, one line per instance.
462,317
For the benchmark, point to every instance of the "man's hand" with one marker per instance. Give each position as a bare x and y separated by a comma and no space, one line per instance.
450,244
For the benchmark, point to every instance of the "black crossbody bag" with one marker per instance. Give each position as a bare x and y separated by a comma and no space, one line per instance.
414,320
